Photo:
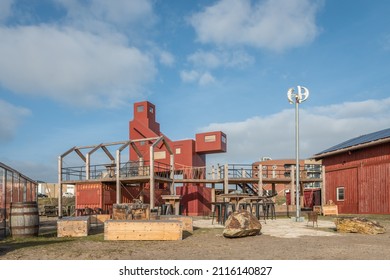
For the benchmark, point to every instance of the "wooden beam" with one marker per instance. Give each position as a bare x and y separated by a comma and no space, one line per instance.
143,230
80,154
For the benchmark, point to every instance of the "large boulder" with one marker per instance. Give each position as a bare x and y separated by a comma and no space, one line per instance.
358,225
241,224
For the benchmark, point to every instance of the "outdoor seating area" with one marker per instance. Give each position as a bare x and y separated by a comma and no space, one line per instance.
263,207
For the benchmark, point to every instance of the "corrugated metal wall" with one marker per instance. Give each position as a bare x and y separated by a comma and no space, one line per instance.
102,195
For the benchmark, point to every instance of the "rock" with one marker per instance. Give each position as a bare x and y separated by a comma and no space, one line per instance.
358,225
241,224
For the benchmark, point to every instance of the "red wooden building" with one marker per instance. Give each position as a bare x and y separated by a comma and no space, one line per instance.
357,176
155,165
189,156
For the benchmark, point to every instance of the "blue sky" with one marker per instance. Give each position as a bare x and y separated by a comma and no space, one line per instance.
70,71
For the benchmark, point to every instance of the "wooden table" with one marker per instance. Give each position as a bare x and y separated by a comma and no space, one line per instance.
234,197
173,200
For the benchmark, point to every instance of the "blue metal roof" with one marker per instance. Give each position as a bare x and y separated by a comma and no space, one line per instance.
359,140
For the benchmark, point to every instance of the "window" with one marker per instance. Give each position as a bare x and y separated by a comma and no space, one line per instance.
209,138
160,155
178,151
140,108
340,193
223,138
151,110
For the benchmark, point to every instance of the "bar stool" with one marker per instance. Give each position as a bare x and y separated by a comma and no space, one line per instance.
269,207
218,210
222,210
257,206
245,206
166,209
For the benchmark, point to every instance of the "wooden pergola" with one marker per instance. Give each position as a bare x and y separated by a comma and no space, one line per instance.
116,163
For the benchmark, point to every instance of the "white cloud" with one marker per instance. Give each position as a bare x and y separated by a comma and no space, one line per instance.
10,118
206,79
269,24
202,78
189,76
96,13
72,66
216,59
166,58
320,128
5,9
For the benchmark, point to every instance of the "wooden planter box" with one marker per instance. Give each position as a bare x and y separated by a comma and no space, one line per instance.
131,211
99,219
330,210
186,220
73,226
143,230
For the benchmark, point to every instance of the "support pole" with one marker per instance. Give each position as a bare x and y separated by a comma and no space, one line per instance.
260,183
226,179
171,175
60,187
151,176
87,167
292,184
118,182
298,212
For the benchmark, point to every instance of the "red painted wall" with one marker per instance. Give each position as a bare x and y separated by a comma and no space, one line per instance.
365,175
311,198
102,195
195,200
211,142
187,153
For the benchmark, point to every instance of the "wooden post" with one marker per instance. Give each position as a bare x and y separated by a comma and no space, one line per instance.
213,198
226,179
118,183
171,175
323,189
260,183
151,176
87,167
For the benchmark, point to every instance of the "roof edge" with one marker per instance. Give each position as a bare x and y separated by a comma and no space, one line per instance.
351,148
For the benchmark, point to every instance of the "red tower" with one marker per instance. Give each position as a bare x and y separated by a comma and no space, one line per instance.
189,155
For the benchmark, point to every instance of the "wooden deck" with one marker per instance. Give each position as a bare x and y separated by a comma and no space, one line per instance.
244,177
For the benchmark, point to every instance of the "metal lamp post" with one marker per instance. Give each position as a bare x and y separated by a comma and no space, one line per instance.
299,97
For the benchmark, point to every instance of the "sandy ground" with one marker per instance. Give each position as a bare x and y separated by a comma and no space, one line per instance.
280,239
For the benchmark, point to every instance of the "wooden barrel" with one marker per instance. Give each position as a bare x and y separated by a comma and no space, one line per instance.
24,220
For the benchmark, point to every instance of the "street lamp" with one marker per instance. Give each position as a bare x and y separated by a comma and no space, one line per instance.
299,97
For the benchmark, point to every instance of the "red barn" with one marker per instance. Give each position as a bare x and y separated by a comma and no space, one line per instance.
357,176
